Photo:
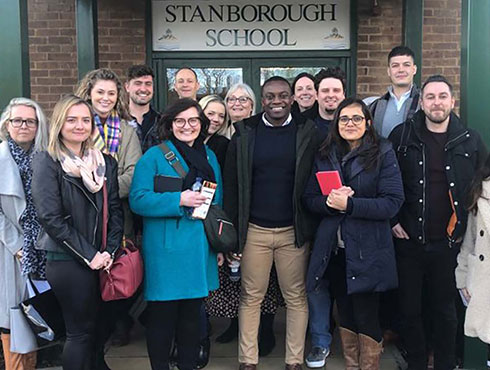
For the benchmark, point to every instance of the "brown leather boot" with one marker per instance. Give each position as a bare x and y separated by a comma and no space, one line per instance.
370,352
350,347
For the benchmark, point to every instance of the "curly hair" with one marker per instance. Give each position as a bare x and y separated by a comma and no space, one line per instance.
85,86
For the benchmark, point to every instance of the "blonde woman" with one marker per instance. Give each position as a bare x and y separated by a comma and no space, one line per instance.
23,132
215,109
103,90
67,190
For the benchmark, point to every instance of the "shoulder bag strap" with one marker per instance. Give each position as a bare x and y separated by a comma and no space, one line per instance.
172,159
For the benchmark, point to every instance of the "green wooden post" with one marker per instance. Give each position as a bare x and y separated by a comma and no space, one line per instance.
475,61
14,58
87,36
413,20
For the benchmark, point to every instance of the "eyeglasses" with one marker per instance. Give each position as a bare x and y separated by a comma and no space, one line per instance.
356,120
18,122
193,122
242,100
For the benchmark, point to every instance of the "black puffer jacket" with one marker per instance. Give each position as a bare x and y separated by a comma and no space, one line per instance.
70,216
465,152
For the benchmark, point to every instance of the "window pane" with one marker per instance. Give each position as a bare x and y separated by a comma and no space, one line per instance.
289,73
212,81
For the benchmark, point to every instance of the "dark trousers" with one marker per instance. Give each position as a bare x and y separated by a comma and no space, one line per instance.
77,289
358,312
430,267
169,318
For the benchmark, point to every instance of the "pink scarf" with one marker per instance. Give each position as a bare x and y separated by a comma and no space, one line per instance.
91,168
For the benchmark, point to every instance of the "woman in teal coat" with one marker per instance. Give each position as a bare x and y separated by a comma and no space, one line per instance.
180,267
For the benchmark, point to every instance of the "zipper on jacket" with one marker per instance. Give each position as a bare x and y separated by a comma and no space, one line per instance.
76,252
224,221
455,139
423,193
360,236
92,202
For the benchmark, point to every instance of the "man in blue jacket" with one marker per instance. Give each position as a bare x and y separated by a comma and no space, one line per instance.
438,157
267,167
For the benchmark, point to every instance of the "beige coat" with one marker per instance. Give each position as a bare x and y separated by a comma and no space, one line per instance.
473,270
129,153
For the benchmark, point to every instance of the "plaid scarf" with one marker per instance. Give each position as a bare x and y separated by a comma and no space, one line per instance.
108,135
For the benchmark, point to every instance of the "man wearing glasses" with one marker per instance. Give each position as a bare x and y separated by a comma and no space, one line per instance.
268,163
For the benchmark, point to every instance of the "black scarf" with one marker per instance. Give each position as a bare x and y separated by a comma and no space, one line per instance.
197,159
33,261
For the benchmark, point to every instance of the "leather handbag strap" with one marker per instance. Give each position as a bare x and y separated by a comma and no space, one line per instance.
172,159
105,216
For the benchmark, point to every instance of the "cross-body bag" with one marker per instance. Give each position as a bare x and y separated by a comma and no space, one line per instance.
220,232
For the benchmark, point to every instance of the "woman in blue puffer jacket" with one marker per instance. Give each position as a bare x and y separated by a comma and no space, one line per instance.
353,247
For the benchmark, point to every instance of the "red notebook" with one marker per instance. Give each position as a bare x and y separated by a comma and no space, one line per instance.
328,181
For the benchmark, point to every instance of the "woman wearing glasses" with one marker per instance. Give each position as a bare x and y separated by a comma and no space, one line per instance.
353,248
23,132
240,104
180,267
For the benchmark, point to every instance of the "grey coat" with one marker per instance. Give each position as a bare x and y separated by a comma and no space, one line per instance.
12,204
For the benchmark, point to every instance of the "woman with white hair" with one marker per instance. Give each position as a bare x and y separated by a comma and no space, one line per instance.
240,103
23,132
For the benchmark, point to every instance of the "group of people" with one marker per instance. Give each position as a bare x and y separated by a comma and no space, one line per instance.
410,212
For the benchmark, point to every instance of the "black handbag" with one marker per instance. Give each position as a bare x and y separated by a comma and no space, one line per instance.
220,231
44,316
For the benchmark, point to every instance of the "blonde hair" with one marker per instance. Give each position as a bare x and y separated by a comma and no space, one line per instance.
205,101
55,146
85,86
41,138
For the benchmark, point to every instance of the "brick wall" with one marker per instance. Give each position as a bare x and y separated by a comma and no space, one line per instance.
52,50
377,35
441,45
121,34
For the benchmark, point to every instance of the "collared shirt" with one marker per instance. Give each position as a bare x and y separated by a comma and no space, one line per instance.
287,122
403,98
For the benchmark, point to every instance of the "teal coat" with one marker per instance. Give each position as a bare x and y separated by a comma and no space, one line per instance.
179,263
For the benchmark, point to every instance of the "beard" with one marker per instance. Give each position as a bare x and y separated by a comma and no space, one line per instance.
439,118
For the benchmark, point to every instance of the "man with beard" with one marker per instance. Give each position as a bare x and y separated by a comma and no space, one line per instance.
268,163
139,86
330,88
438,157
401,100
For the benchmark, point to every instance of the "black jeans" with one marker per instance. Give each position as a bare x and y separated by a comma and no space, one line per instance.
431,268
358,312
166,319
77,289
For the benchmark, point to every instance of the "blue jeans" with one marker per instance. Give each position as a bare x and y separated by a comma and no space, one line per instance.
319,305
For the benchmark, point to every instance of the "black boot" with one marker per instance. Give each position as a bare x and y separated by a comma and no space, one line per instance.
203,358
229,334
267,340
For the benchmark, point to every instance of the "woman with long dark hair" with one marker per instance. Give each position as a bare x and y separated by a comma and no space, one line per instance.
180,267
473,271
353,247
67,188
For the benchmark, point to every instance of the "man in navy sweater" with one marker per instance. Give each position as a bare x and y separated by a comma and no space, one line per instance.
267,166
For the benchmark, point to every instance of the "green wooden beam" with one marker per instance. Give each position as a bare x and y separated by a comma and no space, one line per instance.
14,58
87,36
475,60
413,20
